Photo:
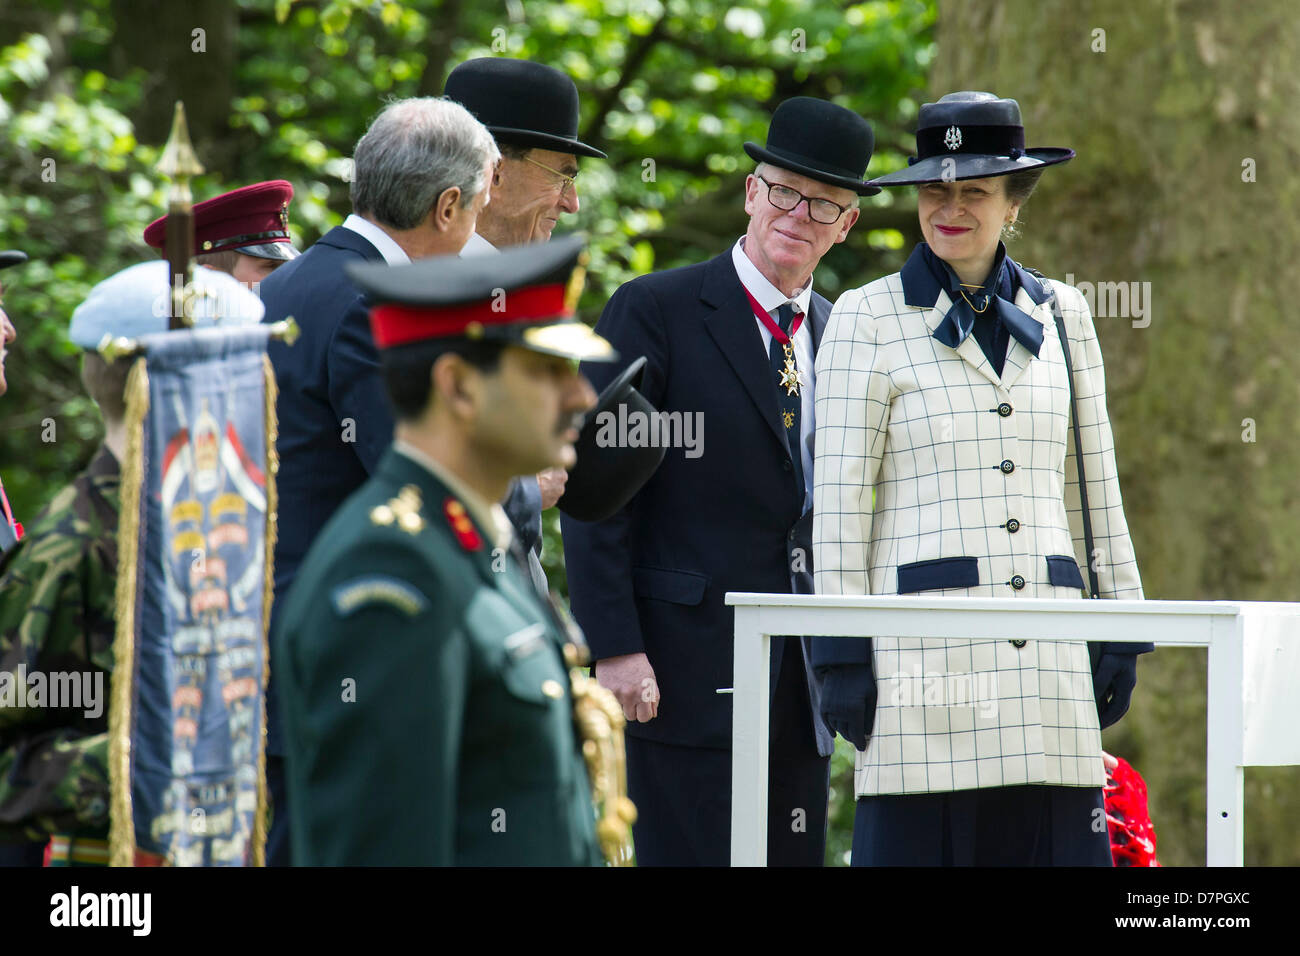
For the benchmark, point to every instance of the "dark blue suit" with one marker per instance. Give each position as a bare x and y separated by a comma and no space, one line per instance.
652,578
334,424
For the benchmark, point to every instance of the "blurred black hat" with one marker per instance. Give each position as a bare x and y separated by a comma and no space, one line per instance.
971,135
604,479
11,257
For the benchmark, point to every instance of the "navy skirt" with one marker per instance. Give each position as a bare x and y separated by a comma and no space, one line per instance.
996,826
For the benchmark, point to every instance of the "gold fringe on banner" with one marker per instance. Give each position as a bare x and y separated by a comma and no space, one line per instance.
121,832
261,816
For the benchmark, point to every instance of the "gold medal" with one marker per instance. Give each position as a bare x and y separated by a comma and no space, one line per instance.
791,377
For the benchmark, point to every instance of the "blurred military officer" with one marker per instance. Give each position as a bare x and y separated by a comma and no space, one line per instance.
532,112
422,173
426,707
57,612
244,232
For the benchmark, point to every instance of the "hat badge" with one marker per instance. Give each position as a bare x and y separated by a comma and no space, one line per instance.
952,138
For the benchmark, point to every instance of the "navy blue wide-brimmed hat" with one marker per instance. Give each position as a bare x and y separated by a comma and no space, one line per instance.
820,140
980,133
11,257
521,102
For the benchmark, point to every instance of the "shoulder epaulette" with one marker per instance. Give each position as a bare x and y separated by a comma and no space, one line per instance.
404,511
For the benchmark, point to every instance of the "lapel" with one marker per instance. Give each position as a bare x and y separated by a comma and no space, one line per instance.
512,582
819,314
1019,357
401,471
969,350
730,321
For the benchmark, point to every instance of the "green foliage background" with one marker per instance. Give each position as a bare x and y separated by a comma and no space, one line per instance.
277,89
671,90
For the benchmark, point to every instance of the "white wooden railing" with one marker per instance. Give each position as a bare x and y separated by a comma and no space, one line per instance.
1252,713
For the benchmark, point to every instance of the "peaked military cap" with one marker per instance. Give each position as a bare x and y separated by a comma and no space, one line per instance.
11,257
604,479
971,135
820,140
521,102
525,296
253,220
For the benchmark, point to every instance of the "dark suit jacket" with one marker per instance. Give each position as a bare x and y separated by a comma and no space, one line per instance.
652,578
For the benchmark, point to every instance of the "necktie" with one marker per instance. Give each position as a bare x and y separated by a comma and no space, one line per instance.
790,400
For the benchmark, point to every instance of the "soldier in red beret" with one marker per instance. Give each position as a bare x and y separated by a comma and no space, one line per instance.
244,232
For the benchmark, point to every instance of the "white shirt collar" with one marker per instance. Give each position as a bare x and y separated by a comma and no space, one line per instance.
387,246
476,245
768,295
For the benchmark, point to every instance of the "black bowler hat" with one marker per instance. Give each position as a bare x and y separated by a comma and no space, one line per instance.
982,135
11,257
604,479
520,102
819,140
524,296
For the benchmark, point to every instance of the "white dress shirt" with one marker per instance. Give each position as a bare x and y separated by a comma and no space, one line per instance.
387,246
772,298
476,245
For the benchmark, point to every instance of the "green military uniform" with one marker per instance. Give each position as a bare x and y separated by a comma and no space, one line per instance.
424,691
56,616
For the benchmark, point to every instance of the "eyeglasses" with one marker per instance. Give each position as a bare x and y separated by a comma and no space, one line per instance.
787,199
566,181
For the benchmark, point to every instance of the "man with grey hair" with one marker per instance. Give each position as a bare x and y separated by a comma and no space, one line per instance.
422,174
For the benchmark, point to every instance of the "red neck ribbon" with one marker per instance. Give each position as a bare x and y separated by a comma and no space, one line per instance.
761,314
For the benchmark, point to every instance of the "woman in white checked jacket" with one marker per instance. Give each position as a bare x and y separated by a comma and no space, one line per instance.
942,394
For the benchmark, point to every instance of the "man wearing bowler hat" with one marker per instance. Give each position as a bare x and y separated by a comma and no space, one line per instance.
532,112
732,338
244,232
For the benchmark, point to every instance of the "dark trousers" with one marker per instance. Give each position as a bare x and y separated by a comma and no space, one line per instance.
22,854
994,826
277,838
683,794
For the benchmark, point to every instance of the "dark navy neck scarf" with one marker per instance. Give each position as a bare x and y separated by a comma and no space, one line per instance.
989,312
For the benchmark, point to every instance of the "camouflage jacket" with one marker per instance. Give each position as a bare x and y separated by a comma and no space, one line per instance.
56,648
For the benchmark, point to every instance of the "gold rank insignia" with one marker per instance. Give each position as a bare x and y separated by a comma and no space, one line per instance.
404,511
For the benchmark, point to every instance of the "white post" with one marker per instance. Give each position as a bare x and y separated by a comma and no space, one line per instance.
749,731
1224,803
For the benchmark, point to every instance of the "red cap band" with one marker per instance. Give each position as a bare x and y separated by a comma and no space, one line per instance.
393,324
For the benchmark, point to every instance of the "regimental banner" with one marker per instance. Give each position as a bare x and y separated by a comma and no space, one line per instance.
196,538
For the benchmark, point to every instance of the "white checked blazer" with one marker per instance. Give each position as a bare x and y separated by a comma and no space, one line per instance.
976,493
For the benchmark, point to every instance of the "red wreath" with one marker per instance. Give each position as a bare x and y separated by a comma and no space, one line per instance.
1132,835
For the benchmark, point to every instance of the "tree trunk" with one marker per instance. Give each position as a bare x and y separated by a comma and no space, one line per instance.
1169,109
163,38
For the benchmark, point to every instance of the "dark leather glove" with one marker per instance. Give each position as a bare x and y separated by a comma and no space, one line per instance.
1113,680
849,700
